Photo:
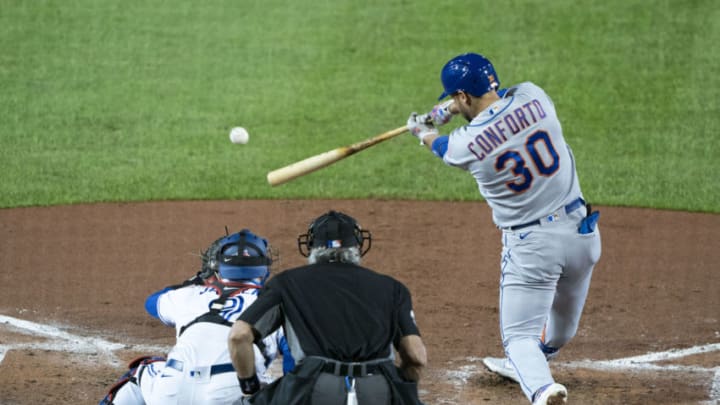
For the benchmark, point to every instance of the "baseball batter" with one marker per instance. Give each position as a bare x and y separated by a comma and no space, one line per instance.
515,149
202,310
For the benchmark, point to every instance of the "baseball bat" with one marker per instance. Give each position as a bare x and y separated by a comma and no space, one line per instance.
309,165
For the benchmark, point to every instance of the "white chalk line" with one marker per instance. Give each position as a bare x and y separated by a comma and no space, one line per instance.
66,342
715,389
644,362
662,356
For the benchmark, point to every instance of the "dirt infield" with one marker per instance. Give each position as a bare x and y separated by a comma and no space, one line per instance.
74,280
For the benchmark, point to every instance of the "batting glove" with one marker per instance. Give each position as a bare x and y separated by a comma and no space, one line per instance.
421,126
440,114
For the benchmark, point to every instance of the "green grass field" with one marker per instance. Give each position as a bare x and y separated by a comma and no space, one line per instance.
106,100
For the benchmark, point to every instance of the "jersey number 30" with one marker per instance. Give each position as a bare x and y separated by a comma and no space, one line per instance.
518,164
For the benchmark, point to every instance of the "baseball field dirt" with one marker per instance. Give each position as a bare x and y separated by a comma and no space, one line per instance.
74,280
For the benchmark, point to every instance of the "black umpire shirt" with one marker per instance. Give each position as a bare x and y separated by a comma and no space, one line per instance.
337,310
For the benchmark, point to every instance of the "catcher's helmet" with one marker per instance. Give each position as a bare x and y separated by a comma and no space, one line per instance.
243,256
469,72
334,230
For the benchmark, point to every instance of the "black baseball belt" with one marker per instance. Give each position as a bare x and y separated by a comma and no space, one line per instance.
216,369
575,204
352,369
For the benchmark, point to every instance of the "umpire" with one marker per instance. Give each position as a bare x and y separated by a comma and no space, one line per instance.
344,324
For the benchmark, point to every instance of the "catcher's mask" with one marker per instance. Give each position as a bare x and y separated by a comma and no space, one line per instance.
334,230
243,256
469,72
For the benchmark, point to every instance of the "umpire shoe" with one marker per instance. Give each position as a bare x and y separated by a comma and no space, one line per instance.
501,366
551,394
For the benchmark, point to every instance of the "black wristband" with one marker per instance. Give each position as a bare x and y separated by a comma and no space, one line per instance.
249,385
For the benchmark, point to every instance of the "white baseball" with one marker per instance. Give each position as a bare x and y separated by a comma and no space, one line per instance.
239,135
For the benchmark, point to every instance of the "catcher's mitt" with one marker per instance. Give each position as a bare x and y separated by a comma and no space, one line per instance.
209,259
208,266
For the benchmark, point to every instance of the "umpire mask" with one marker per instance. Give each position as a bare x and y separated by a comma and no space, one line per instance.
334,230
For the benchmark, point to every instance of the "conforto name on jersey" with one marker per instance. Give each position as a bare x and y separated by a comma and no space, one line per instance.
514,121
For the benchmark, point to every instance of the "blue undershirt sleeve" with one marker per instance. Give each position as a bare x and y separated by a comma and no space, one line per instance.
151,302
440,146
288,360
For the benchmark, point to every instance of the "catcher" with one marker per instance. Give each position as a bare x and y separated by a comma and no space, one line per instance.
202,310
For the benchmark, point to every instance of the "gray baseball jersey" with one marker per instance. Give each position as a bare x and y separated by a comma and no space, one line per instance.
516,151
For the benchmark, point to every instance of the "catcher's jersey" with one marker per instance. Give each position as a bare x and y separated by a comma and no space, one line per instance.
516,151
206,342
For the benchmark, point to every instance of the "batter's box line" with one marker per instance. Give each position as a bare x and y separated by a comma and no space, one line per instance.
646,363
621,365
663,356
66,342
643,362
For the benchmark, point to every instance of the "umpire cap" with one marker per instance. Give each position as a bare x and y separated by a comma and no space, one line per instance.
334,230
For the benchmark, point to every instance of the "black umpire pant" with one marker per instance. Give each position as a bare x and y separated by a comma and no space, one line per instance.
320,381
331,389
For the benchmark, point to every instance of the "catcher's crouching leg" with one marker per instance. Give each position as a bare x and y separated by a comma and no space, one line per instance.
126,389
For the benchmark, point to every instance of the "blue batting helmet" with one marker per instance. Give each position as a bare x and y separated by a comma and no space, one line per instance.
469,72
243,256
